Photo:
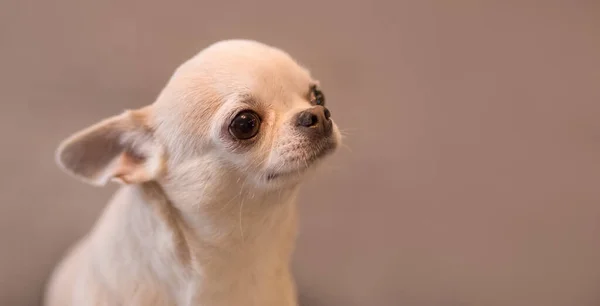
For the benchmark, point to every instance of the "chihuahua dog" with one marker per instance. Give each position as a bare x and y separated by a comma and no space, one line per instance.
210,172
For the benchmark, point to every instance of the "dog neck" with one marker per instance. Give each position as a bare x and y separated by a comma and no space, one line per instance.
239,250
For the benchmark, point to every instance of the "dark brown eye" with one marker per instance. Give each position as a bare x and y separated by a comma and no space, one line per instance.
318,98
245,125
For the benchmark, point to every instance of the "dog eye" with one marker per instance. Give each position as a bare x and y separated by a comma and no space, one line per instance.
318,98
245,125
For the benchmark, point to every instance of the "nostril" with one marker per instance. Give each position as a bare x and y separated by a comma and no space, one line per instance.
327,114
307,119
313,119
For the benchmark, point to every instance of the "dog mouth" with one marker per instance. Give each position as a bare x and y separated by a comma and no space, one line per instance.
306,163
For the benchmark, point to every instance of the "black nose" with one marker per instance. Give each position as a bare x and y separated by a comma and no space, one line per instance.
316,118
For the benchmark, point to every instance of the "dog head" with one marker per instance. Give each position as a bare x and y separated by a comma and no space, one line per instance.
239,112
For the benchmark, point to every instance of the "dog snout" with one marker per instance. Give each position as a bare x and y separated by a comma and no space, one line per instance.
315,120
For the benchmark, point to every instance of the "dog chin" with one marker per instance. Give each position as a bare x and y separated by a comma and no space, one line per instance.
306,165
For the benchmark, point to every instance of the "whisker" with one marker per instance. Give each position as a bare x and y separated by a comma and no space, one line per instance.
347,132
347,147
241,227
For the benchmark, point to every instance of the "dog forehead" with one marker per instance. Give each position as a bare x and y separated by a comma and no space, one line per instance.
235,66
245,52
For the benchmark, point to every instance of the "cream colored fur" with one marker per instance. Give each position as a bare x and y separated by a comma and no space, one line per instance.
197,221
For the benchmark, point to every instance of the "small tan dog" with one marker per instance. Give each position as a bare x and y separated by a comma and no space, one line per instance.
211,170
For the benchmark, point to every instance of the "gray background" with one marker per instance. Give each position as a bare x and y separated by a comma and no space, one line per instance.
471,169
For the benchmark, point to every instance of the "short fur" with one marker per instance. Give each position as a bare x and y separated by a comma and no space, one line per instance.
203,218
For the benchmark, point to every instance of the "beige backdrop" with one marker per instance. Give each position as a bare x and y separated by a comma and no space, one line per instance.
472,169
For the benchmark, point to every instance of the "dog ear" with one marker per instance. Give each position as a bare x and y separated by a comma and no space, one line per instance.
122,148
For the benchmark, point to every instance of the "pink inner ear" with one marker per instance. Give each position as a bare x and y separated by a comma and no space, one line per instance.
131,169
